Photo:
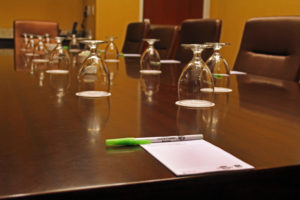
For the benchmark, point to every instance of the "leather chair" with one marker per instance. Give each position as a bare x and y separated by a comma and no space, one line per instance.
31,27
135,33
271,47
167,35
197,31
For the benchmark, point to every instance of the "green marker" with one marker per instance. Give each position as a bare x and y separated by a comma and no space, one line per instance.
125,141
138,141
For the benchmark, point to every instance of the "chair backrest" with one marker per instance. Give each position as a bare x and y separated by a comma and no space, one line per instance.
167,35
271,47
135,33
31,27
197,31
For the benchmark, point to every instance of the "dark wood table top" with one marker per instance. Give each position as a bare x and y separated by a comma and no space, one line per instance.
52,145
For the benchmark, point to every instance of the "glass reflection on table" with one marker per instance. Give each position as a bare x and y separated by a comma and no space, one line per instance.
150,85
95,113
201,120
59,82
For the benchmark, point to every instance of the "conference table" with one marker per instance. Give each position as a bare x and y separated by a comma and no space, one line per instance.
52,144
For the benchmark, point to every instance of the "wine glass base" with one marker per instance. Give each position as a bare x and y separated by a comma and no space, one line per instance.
111,60
149,71
40,60
57,71
217,90
194,103
93,94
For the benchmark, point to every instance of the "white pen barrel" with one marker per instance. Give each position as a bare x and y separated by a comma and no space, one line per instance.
173,138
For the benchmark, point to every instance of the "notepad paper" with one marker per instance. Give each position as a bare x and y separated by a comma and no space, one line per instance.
194,157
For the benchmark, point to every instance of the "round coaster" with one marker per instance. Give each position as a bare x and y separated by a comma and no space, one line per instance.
57,71
31,54
193,103
40,60
93,94
216,90
111,60
74,50
149,71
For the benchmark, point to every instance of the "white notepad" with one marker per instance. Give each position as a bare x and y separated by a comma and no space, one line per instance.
194,157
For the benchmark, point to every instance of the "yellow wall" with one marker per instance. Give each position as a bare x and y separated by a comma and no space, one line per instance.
65,12
234,14
112,17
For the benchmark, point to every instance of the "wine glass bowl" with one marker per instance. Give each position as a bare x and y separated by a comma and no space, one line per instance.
40,50
25,42
111,50
219,68
150,59
29,52
93,74
50,44
74,49
195,80
60,55
111,58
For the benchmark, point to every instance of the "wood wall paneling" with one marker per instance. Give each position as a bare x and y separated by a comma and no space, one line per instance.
172,11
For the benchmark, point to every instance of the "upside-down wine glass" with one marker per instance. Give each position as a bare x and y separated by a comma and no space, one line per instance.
29,53
49,43
111,58
219,68
74,49
23,48
93,75
59,57
150,59
40,50
25,42
41,60
195,80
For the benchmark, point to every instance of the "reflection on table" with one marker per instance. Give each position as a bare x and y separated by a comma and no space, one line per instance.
53,144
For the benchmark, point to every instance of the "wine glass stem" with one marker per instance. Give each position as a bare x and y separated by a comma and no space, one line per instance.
93,50
197,55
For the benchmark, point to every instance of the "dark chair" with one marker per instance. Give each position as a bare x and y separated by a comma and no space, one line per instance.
197,31
167,35
271,47
134,37
31,27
